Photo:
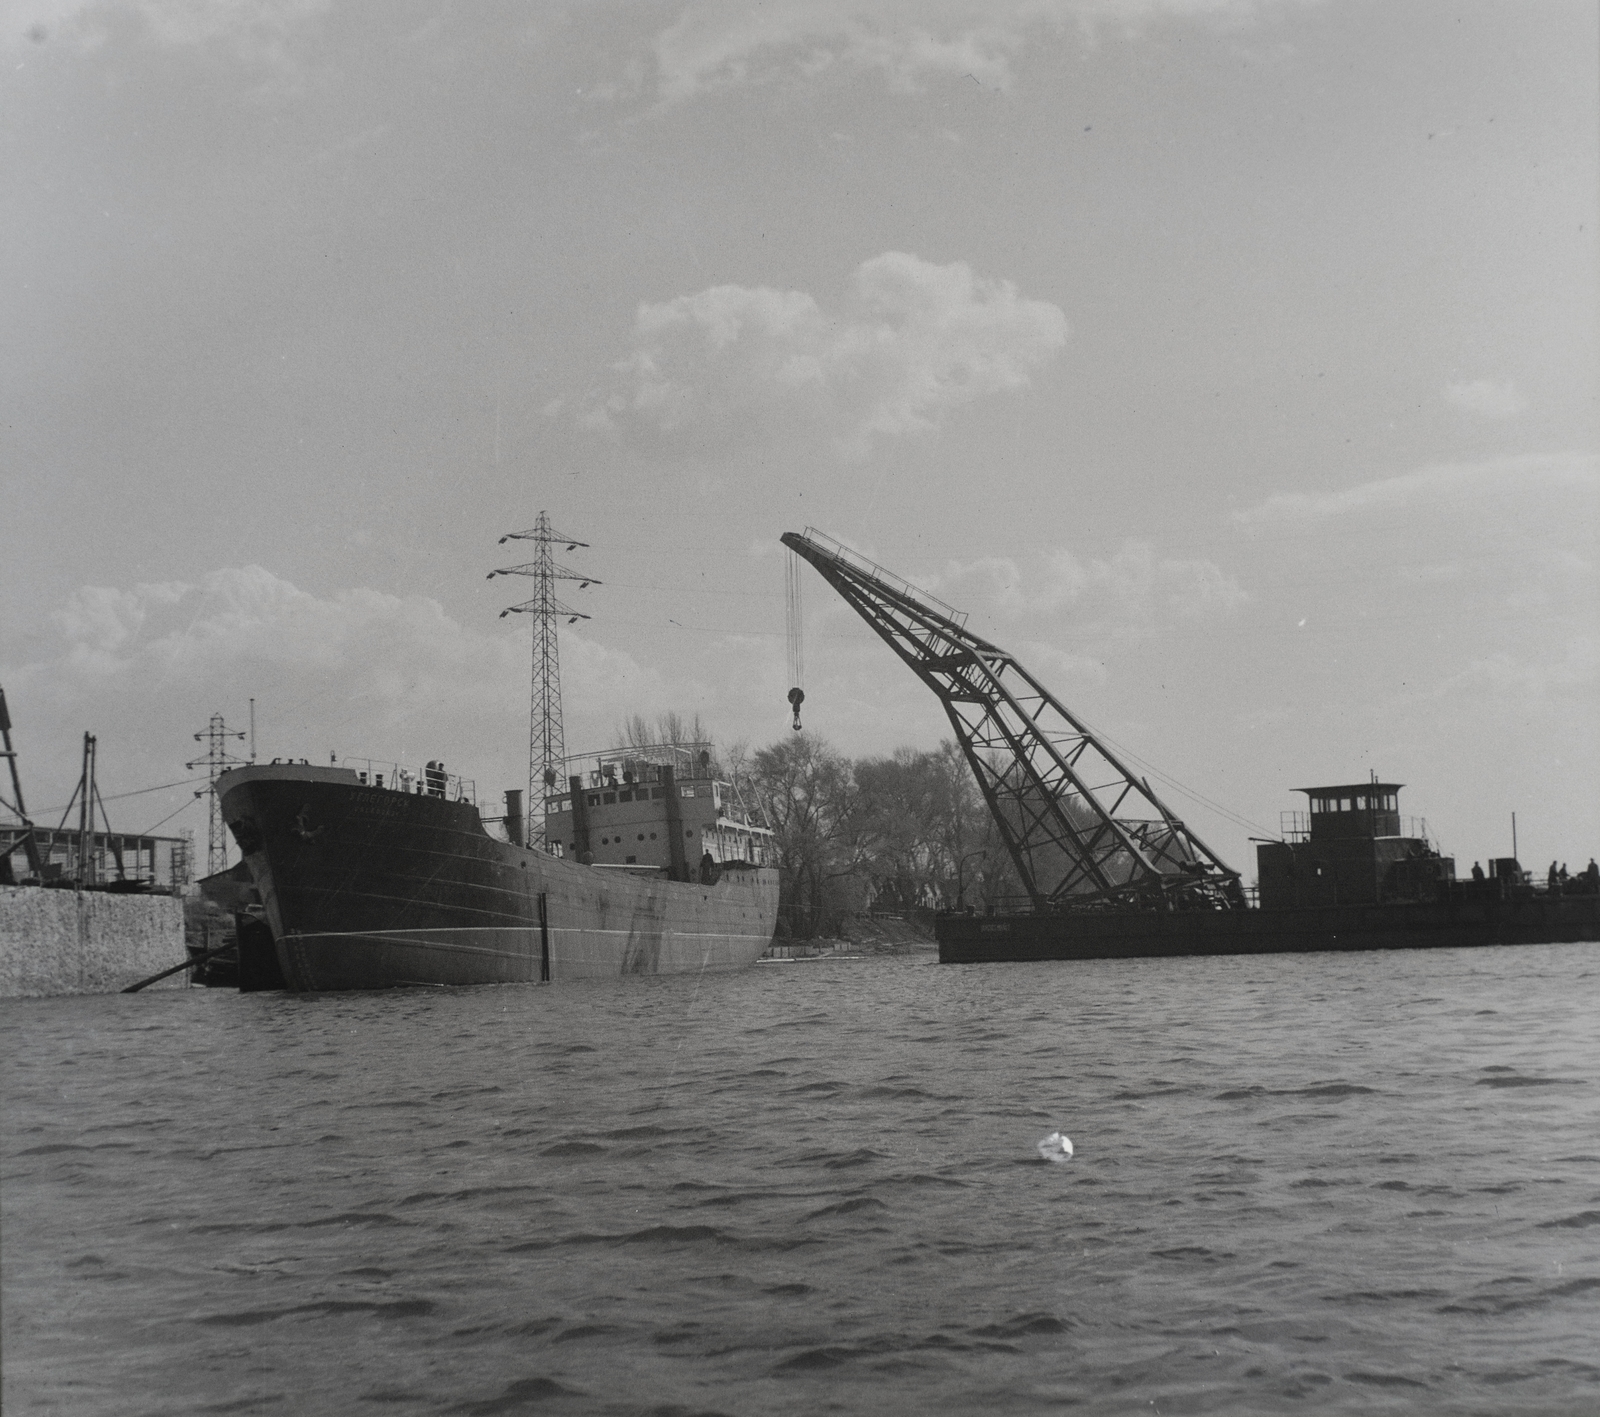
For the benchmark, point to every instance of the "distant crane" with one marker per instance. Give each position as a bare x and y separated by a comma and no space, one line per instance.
546,743
1083,831
28,843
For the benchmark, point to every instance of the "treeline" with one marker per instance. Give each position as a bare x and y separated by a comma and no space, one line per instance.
897,833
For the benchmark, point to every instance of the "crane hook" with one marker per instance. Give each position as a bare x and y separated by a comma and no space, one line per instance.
797,696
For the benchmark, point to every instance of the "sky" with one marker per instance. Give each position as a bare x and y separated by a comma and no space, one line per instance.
1232,362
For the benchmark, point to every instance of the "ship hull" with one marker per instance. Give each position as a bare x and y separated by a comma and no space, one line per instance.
1467,919
371,889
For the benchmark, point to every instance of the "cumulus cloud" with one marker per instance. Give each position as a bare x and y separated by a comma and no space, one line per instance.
911,340
1571,670
1486,399
358,671
1132,591
356,643
99,621
255,29
1432,485
717,44
1052,664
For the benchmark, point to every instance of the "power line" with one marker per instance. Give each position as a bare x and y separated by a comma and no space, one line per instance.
122,796
1176,786
170,815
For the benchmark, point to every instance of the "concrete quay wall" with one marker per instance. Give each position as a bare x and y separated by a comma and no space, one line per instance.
86,942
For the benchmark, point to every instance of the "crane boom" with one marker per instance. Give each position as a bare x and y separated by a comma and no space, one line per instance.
1083,831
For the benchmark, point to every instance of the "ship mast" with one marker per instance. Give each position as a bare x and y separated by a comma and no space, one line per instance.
546,746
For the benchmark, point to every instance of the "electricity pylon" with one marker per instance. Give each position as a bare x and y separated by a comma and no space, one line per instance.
216,762
546,744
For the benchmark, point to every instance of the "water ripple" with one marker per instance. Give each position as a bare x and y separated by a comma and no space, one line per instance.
1322,1183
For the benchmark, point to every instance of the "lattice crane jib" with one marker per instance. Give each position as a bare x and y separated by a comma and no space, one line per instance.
546,738
1083,831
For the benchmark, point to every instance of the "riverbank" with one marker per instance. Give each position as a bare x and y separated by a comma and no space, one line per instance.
55,942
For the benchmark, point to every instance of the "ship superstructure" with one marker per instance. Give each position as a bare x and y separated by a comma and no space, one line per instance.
656,808
659,808
1350,847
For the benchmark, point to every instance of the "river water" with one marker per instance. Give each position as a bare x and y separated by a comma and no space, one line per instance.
1325,1183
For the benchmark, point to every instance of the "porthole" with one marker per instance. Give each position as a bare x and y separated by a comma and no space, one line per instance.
641,836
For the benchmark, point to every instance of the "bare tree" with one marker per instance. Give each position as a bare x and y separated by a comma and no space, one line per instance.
928,838
637,731
904,832
809,794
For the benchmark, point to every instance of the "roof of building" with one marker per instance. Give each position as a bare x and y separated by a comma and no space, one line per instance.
1351,789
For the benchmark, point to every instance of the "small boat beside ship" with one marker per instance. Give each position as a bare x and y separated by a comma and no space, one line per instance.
651,865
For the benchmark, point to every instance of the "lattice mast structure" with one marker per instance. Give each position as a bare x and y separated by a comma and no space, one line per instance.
1084,832
30,847
546,744
217,761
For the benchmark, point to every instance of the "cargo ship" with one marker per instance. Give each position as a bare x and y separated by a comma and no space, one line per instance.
650,864
1108,869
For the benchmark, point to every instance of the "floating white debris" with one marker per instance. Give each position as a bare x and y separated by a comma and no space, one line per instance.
1056,1147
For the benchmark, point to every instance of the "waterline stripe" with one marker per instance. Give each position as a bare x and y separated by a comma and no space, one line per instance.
504,929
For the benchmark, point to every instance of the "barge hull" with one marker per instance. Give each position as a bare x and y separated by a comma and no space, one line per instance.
1464,922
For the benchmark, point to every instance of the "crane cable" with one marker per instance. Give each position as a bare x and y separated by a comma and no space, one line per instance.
795,625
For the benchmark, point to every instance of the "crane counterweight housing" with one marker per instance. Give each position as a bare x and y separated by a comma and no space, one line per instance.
1084,832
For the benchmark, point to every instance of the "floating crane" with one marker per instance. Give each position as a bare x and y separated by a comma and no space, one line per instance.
1084,832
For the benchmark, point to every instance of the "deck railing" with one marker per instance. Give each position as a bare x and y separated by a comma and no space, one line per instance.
398,777
883,576
1296,827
